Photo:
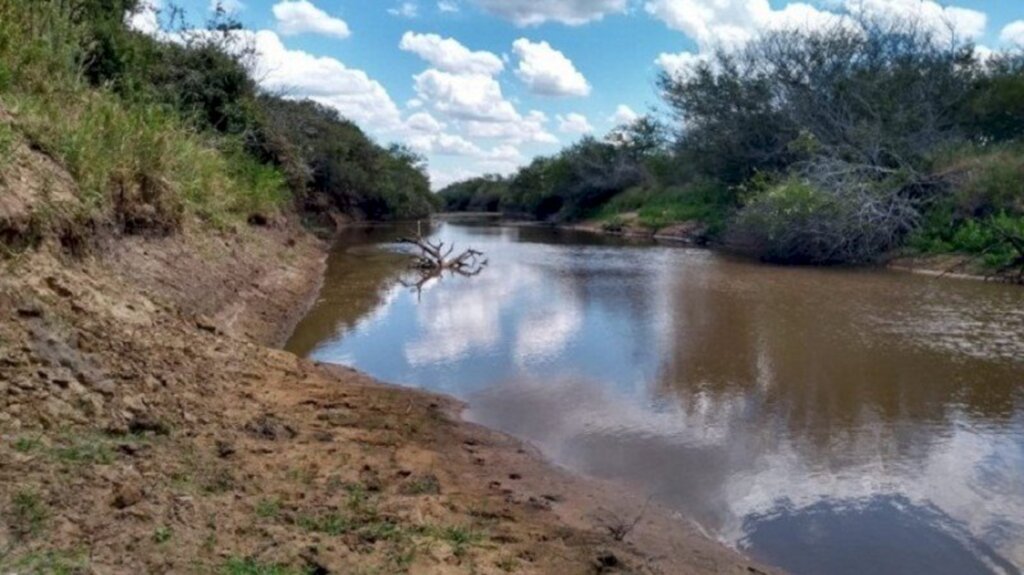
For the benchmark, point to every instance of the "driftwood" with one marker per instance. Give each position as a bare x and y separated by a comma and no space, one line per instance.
433,260
434,257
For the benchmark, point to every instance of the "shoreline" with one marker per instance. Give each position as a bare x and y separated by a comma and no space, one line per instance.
149,424
940,266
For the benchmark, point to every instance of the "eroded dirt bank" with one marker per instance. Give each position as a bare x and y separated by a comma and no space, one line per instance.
147,427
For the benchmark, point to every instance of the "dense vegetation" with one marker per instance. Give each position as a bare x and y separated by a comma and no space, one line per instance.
154,130
825,146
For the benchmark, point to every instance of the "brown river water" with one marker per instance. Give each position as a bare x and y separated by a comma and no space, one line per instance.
822,420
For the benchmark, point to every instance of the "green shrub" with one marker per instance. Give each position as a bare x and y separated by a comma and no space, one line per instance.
796,222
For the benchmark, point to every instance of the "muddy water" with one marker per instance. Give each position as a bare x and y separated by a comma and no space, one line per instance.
826,421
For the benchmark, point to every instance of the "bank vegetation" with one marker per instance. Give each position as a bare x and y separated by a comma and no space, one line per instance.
837,145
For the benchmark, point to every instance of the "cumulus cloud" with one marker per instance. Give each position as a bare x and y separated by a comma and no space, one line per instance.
546,71
405,10
449,55
570,12
145,18
298,74
729,24
464,96
447,6
424,123
301,17
1013,33
574,123
963,22
623,115
681,64
531,128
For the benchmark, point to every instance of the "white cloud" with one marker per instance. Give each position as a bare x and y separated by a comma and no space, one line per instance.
574,123
405,10
530,128
449,55
681,64
546,71
965,23
298,74
145,18
464,96
623,115
571,12
300,17
1013,33
423,122
447,6
731,23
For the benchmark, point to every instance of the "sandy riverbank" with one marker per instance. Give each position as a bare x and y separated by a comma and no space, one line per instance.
149,426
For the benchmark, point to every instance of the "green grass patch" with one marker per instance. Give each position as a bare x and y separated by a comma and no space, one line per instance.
27,444
27,515
327,523
162,534
460,538
52,562
658,207
268,508
986,238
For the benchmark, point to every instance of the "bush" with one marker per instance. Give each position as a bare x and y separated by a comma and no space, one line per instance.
801,222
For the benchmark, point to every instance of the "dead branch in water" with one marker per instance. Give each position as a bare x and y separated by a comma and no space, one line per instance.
434,260
434,257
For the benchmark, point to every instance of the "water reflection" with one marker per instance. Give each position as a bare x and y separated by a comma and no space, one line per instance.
771,404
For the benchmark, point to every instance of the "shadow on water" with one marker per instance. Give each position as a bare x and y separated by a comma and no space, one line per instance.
818,418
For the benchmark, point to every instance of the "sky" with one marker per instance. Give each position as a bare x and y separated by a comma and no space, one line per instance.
484,86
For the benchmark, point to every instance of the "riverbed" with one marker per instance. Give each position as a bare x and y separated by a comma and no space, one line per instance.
821,420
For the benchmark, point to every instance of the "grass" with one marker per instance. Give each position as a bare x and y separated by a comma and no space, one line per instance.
327,523
137,164
27,444
659,207
460,538
421,485
86,450
268,508
8,138
985,208
162,534
50,562
28,514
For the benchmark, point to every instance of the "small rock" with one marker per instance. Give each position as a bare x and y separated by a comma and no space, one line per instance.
206,324
606,561
224,449
514,476
59,287
30,310
126,496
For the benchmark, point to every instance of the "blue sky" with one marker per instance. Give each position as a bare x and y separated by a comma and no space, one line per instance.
483,86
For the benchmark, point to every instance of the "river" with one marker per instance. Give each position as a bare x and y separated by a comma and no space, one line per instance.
823,420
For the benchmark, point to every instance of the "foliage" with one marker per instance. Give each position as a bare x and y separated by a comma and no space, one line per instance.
483,194
330,162
994,112
154,130
984,215
658,207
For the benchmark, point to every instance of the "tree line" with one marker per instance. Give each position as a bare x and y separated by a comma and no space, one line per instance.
808,146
